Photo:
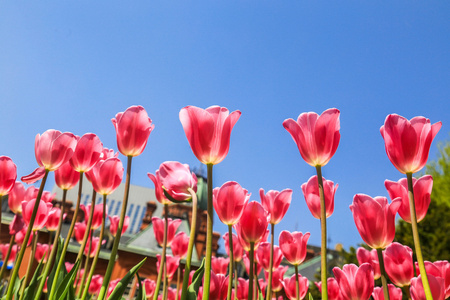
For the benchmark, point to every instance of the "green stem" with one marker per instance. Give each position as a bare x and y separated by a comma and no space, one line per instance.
250,281
209,233
6,258
407,292
97,252
30,264
235,283
178,281
269,283
164,295
415,230
115,247
383,274
323,227
52,290
9,294
231,267
86,265
297,284
88,226
187,268
163,255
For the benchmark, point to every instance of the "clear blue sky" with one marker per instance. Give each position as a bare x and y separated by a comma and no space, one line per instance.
72,65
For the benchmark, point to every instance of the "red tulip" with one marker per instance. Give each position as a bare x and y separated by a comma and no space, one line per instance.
41,215
53,219
20,235
96,284
277,277
159,192
334,293
252,226
172,263
31,193
115,224
215,288
180,244
408,142
8,175
66,177
237,248
276,203
293,246
398,263
208,131
375,219
355,283
80,229
97,217
17,224
290,287
94,244
158,229
263,256
177,179
395,293
12,256
150,286
311,192
371,257
106,175
241,292
436,286
422,190
16,196
219,265
229,202
42,251
171,294
246,261
47,196
133,128
439,268
87,152
112,285
68,266
317,137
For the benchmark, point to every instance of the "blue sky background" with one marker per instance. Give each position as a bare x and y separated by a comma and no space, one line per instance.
72,65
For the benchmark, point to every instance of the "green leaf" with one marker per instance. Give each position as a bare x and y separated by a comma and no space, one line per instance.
30,291
122,285
196,281
310,297
67,282
141,295
51,282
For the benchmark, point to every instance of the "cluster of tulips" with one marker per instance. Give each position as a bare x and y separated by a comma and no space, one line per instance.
208,132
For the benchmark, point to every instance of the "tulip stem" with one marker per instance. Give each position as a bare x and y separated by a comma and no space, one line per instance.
178,281
97,252
115,247
87,233
54,248
407,292
6,258
86,264
30,264
231,267
187,267
323,226
209,233
163,255
383,274
297,284
9,294
53,288
415,231
250,281
269,283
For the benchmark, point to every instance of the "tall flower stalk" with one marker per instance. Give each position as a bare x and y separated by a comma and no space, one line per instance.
231,267
383,274
162,265
323,229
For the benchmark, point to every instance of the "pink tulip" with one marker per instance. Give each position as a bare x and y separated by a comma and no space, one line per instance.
47,196
317,137
31,193
53,219
398,263
41,215
252,226
8,175
395,293
158,229
68,266
96,284
276,203
355,283
241,292
439,268
92,246
115,224
97,216
17,224
66,177
4,250
159,192
80,229
408,142
180,244
214,290
334,293
20,236
208,131
171,294
293,246
277,277
290,287
229,202
246,261
172,263
219,265
177,179
87,152
375,219
237,248
150,286
422,190
42,251
133,127
106,175
263,256
16,196
436,286
112,285
311,193
371,257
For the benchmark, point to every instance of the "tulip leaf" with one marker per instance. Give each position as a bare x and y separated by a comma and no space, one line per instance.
17,286
310,297
141,295
260,295
122,285
196,281
67,282
52,282
30,290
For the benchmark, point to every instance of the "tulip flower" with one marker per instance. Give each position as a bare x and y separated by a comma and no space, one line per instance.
96,284
395,293
355,283
441,269
133,127
87,152
115,222
47,196
220,265
4,250
437,287
176,180
180,244
112,285
246,261
106,175
214,292
422,190
172,263
229,202
334,293
149,286
375,219
276,203
277,277
91,247
263,256
66,177
290,287
42,251
159,192
311,193
68,266
371,257
8,175
241,292
20,236
16,196
408,141
237,248
158,229
293,246
97,216
53,219
41,216
80,230
252,226
398,262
